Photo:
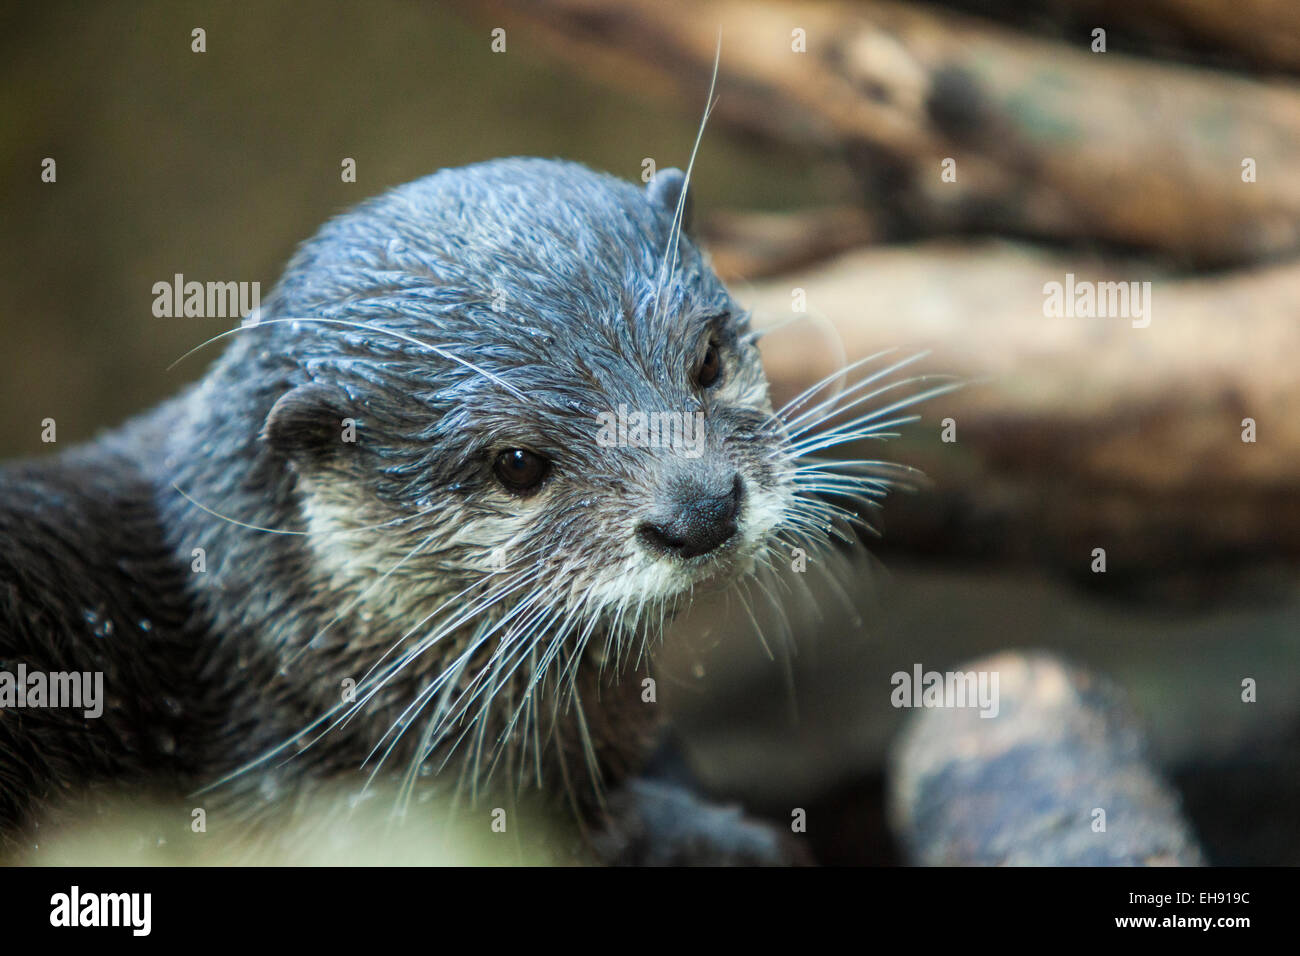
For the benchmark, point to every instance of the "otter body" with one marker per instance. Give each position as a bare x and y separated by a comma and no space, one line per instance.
385,532
89,583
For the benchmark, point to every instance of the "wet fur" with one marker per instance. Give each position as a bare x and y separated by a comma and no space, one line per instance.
500,305
546,278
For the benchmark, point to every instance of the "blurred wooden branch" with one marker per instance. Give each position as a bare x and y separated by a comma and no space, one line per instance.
750,245
1050,140
1058,777
1264,32
1075,432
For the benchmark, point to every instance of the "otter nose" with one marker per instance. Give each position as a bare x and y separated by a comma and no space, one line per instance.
698,523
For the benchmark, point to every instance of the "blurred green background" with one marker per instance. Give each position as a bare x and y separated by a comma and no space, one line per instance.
215,165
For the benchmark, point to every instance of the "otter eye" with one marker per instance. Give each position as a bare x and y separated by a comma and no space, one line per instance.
706,376
519,470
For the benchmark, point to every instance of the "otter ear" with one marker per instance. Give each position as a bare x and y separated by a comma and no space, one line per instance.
310,423
666,189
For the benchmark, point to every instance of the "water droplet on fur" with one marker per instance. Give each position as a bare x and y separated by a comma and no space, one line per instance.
698,670
144,624
166,743
174,706
100,625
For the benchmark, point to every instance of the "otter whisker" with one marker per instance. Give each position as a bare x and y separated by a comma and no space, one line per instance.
758,628
674,231
475,610
820,549
436,349
610,647
588,749
850,484
476,641
852,397
854,430
757,335
797,402
399,664
354,602
568,676
885,473
285,744
318,721
454,710
510,649
536,680
951,385
820,507
434,733
562,632
836,404
786,657
341,531
241,524
565,630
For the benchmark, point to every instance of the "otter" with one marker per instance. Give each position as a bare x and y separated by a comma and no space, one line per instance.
390,531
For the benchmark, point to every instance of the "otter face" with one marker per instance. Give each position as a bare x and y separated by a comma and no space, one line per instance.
665,476
554,389
518,415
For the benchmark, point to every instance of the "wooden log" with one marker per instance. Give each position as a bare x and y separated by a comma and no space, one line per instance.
1076,433
1048,139
751,245
1059,776
1264,34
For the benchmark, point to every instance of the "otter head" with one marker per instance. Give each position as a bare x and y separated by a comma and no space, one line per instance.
521,382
